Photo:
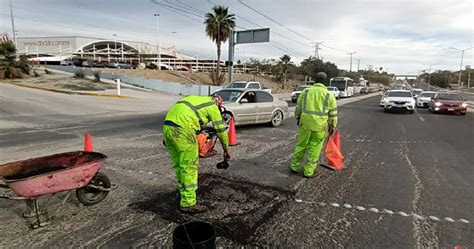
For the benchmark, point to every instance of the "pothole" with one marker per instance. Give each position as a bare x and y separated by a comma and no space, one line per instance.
237,208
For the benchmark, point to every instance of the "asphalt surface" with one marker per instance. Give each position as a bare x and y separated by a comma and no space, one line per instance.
407,183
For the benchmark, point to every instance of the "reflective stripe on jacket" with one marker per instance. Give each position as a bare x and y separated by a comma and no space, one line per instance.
194,112
316,108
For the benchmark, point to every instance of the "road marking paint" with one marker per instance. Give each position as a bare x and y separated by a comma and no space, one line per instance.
434,218
417,216
402,214
360,208
448,219
388,211
419,116
141,171
373,210
150,173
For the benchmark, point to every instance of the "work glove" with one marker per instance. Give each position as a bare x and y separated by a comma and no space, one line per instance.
331,129
226,155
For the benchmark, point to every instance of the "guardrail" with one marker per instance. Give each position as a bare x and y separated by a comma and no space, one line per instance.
158,85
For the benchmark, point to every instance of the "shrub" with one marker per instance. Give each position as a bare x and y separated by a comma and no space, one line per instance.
79,74
36,73
96,76
47,71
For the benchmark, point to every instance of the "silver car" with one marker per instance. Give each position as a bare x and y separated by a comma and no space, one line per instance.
250,106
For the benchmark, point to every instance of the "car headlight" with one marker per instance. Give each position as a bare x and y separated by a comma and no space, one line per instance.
438,104
293,94
464,105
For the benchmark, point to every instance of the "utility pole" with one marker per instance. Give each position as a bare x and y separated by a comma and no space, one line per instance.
351,53
358,64
468,68
462,57
13,28
230,59
317,48
158,49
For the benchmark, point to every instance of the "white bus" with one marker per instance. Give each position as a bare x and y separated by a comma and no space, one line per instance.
344,84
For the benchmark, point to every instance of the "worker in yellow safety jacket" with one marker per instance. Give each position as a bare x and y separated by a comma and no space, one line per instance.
187,117
316,115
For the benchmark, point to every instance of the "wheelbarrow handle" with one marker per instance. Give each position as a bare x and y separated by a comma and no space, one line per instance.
4,196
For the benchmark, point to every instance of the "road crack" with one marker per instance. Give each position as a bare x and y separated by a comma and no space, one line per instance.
424,231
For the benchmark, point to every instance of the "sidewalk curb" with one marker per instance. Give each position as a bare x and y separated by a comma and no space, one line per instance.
73,92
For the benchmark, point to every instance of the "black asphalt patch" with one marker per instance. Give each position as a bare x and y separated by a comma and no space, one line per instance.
237,208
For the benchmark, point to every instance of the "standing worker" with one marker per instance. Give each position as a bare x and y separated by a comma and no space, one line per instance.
316,115
188,116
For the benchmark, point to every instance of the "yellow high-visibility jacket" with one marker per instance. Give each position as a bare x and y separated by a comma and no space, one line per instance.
194,112
316,108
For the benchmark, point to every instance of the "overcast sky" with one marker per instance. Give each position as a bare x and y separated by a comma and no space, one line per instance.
403,36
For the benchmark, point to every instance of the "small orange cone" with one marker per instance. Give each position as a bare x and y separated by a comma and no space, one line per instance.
88,143
232,134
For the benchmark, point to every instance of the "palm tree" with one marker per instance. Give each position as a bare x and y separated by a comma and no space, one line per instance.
219,24
285,60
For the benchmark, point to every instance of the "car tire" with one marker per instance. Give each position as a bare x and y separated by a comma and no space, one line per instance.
226,116
277,118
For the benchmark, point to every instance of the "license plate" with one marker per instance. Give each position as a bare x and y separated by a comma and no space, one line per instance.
451,109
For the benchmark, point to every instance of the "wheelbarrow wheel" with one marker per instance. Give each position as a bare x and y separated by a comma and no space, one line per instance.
90,195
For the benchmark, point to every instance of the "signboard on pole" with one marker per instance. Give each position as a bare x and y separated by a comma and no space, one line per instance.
253,36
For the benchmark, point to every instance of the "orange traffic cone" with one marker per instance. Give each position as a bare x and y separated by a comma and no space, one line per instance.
88,143
232,134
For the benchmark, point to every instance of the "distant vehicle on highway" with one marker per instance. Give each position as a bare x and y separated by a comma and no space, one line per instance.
399,100
445,102
249,106
344,85
100,64
416,92
248,85
424,99
296,94
120,65
364,90
334,91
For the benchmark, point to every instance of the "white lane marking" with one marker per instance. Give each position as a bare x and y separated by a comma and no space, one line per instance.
374,210
448,219
386,211
419,116
434,218
402,214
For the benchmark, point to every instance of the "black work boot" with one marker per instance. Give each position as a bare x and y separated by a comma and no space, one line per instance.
196,209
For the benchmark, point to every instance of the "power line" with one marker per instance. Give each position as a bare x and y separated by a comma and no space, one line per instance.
273,20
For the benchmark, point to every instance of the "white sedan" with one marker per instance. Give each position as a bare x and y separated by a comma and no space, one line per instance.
425,98
334,91
399,100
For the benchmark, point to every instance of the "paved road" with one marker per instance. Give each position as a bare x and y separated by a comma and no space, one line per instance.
418,165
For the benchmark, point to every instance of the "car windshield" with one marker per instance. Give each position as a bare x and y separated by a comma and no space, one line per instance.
237,85
229,95
431,95
301,88
449,97
416,92
399,94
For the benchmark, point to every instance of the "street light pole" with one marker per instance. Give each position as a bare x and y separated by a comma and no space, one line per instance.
13,28
115,44
158,49
462,57
351,53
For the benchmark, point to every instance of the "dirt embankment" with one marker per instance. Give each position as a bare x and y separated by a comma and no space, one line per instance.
201,78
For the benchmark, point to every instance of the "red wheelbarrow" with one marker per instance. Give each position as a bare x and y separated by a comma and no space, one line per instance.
32,178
